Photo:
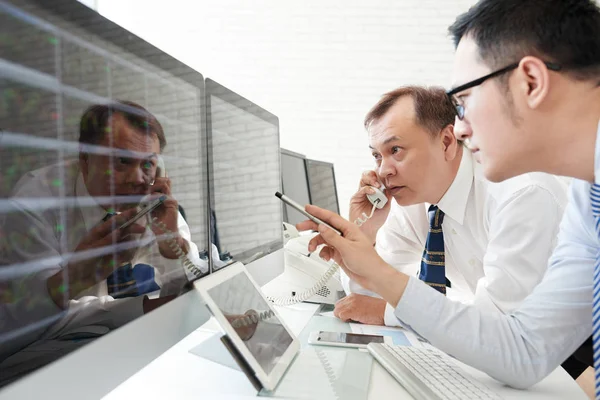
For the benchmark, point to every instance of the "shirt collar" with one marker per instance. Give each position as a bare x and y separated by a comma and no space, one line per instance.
597,157
91,211
454,201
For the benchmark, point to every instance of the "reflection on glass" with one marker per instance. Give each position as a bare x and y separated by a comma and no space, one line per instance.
76,161
321,178
266,339
244,146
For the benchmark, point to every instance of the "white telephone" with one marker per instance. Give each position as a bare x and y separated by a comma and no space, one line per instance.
306,276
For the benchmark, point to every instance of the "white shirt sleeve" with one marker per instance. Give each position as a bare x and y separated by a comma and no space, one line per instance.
31,311
522,235
522,347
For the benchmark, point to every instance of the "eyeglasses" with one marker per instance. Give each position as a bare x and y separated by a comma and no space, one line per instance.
460,108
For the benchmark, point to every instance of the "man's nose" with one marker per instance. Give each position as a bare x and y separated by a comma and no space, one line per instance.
462,130
137,177
386,169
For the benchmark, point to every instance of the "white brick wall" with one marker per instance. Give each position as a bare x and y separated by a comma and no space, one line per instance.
318,65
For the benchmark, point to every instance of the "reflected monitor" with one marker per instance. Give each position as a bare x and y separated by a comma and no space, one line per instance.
321,181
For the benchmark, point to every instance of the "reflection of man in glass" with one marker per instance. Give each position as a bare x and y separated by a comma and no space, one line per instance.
86,271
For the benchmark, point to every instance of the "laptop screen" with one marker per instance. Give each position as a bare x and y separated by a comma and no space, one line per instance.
251,317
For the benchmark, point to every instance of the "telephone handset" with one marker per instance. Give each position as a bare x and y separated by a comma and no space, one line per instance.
160,167
378,199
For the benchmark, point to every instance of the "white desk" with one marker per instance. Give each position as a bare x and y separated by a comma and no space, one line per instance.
179,374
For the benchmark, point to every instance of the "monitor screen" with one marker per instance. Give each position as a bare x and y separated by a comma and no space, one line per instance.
88,114
244,174
321,180
295,184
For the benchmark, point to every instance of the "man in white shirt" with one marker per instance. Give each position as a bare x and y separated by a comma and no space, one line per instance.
526,88
497,237
59,258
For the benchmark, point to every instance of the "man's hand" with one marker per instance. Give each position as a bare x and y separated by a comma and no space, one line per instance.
101,250
167,213
360,204
359,308
354,252
245,330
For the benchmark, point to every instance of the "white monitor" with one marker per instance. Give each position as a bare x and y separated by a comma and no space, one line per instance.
58,58
295,184
244,174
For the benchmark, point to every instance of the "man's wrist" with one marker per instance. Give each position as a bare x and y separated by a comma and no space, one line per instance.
390,284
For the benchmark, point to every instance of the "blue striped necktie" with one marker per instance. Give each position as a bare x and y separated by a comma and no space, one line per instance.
595,201
433,263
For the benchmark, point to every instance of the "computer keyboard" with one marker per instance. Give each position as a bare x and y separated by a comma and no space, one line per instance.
427,374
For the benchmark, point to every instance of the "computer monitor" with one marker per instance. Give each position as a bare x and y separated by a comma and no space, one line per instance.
58,58
295,184
321,181
244,174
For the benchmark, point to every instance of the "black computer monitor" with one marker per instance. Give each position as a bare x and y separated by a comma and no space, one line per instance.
244,174
321,181
295,184
58,58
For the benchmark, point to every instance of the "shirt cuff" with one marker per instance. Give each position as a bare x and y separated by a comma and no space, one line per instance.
389,318
126,310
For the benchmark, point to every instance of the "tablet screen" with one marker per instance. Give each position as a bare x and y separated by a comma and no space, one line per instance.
252,319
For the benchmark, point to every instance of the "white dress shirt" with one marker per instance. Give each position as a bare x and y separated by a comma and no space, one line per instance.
42,236
522,347
498,237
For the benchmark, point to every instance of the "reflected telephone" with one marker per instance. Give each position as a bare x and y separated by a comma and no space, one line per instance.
306,276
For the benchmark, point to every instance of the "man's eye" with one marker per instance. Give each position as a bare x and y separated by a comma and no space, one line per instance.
376,156
124,160
147,165
396,149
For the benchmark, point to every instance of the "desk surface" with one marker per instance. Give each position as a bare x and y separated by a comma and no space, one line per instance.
179,374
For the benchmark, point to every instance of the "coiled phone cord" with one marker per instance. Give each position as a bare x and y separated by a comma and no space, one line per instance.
359,221
253,318
307,294
172,243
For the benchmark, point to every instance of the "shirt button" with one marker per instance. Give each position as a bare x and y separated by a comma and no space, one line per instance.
453,232
472,261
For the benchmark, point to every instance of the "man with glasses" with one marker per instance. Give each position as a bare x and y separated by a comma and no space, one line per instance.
541,114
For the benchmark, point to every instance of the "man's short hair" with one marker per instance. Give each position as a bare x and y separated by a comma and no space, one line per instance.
566,32
94,124
433,110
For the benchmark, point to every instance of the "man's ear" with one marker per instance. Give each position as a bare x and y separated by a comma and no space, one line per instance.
449,142
535,80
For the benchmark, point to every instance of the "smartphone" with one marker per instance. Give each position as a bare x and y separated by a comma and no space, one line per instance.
343,339
301,209
143,210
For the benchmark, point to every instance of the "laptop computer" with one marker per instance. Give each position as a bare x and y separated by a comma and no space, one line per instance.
255,335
